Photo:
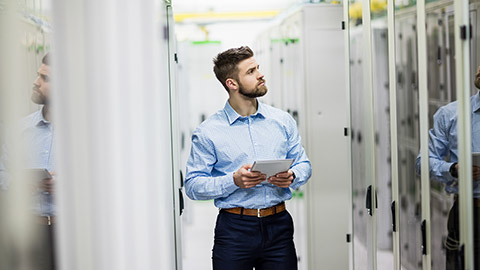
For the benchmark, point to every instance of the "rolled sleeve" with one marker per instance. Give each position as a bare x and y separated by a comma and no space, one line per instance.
440,146
302,173
301,167
207,188
199,183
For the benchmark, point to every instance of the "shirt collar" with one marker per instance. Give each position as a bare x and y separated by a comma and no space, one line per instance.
476,102
38,118
232,115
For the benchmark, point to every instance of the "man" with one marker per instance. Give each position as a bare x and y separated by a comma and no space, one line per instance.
37,138
253,228
443,158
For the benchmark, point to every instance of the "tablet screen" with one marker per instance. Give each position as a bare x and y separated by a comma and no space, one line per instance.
272,167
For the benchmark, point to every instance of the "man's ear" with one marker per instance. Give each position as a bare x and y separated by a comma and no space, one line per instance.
231,84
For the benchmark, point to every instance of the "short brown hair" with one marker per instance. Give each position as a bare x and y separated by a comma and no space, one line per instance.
225,64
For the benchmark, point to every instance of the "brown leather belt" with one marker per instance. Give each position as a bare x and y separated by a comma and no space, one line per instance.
46,220
265,212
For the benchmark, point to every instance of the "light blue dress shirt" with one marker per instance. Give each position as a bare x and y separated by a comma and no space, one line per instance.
226,141
444,144
37,139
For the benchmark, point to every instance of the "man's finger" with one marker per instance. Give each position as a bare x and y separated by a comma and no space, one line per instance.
283,175
256,179
247,166
250,174
290,178
254,175
250,184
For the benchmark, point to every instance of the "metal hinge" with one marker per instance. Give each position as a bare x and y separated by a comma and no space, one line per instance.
463,32
394,223
423,228
368,202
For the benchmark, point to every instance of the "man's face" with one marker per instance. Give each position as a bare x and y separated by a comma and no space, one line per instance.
41,86
477,78
251,83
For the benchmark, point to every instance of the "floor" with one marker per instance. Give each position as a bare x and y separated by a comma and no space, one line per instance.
198,225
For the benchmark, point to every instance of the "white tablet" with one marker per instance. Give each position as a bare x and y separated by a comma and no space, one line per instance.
271,167
38,174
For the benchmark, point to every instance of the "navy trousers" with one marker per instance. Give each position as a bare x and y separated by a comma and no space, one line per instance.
43,249
453,259
244,242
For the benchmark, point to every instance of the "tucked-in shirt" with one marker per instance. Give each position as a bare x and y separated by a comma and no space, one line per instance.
443,145
226,141
36,137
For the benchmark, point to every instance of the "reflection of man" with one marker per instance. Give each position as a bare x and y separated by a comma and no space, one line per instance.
253,228
443,157
37,138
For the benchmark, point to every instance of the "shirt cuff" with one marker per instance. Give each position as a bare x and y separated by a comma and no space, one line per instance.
229,184
294,185
445,169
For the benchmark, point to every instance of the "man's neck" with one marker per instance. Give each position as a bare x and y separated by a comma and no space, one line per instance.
243,106
46,112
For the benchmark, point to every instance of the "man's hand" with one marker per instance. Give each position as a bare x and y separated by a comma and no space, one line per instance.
283,180
246,179
47,185
475,172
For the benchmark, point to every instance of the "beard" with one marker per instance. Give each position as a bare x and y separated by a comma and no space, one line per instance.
38,97
258,91
477,82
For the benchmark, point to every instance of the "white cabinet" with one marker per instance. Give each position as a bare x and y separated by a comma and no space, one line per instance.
309,74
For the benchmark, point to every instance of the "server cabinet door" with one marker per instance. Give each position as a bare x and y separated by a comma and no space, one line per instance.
175,137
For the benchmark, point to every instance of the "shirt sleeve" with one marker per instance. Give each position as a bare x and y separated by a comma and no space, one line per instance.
438,148
199,182
301,165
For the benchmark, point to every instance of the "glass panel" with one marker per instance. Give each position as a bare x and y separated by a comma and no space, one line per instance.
383,216
474,103
382,144
443,136
408,138
358,133
443,146
473,73
25,192
440,201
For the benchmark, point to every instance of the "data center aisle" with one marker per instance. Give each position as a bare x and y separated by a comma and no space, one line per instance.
198,228
384,258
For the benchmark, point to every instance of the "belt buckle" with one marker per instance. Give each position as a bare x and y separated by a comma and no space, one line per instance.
258,213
